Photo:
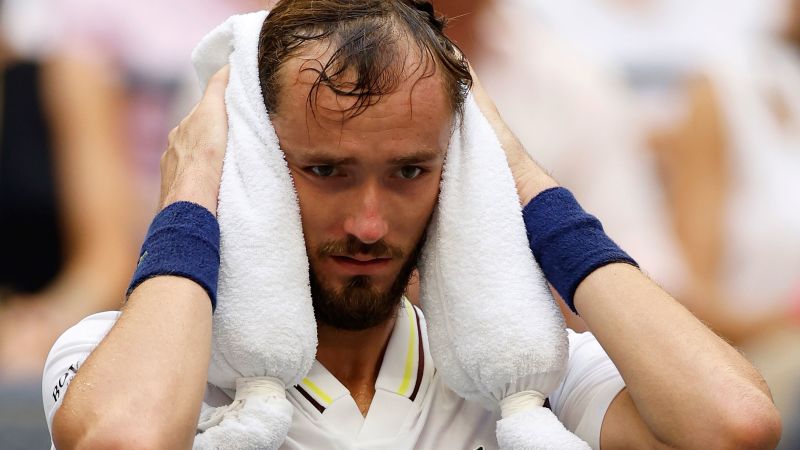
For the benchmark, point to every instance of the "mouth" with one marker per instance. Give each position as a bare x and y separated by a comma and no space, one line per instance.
360,264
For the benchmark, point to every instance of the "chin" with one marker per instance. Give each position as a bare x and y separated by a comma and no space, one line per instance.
357,303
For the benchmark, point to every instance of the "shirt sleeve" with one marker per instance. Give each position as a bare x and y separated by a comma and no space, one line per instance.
590,385
68,354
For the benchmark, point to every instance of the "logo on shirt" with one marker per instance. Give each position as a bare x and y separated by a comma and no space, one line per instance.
64,380
141,259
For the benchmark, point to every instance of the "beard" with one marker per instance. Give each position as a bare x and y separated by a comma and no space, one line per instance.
359,304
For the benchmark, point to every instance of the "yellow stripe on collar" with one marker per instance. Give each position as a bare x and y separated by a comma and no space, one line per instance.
412,346
321,395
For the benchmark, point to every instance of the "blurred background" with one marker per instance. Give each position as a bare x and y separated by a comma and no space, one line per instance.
676,122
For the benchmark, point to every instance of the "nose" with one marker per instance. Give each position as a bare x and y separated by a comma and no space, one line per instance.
366,222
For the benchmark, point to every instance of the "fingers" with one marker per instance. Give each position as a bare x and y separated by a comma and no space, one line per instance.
218,81
191,167
528,176
508,140
214,96
483,100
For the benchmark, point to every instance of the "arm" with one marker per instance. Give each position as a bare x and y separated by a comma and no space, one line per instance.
685,385
143,385
687,388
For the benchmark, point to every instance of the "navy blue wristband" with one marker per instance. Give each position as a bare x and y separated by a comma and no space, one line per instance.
567,242
183,240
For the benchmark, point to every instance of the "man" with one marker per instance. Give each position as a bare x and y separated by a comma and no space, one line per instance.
363,97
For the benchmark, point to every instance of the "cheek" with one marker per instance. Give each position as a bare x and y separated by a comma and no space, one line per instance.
416,210
428,198
431,186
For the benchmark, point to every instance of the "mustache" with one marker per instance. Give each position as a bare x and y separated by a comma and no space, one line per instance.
352,246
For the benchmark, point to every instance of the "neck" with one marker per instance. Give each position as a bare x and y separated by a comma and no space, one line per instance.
354,358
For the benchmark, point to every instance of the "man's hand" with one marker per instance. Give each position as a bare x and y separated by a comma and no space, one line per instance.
191,168
143,385
528,176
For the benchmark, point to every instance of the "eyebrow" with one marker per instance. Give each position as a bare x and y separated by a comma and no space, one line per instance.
322,159
417,157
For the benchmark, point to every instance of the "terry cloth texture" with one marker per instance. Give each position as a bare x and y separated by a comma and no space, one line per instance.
568,243
183,240
264,325
494,328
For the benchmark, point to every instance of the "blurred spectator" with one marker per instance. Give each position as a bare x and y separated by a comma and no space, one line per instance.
574,118
674,33
723,106
63,223
82,133
64,193
145,47
732,171
113,82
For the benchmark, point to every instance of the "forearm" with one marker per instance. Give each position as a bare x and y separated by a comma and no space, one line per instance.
691,388
143,385
530,179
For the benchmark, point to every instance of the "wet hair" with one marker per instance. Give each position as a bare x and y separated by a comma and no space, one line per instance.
368,42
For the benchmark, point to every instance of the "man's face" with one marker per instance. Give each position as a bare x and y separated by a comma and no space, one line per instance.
367,187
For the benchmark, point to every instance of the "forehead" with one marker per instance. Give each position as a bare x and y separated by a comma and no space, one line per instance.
418,112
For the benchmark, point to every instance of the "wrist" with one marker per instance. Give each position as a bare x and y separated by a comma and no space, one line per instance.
183,240
530,179
568,243
201,189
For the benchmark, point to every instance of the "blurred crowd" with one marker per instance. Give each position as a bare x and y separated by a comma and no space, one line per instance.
676,122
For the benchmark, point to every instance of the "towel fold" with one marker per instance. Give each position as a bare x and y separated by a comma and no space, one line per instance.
494,328
264,323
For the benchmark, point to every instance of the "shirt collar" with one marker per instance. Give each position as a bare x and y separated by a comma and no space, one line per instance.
405,370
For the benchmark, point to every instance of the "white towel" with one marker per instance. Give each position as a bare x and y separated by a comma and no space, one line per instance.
495,332
264,322
494,329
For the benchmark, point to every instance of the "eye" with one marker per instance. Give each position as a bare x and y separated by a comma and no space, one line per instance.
323,171
410,172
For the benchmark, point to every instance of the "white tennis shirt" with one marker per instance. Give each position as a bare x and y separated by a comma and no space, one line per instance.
412,407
